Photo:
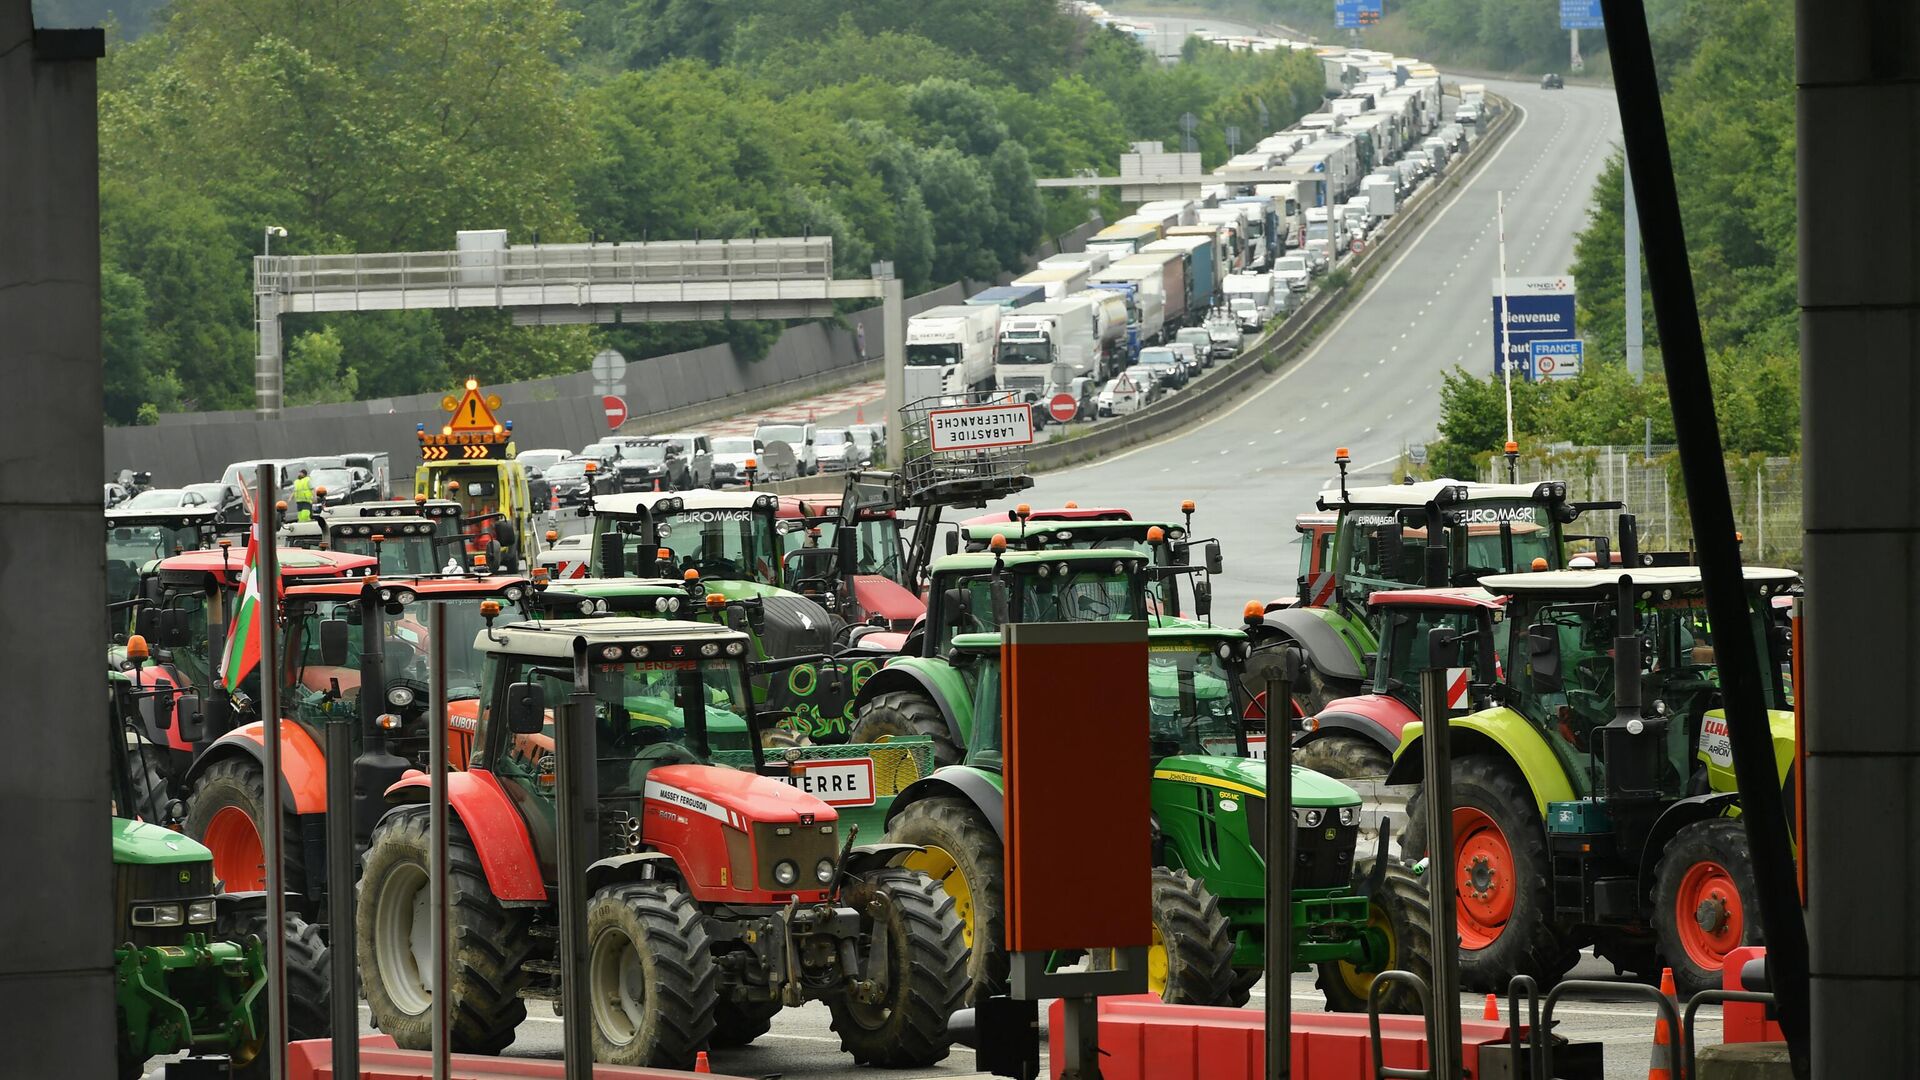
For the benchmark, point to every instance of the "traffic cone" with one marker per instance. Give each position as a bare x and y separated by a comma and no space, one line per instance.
1661,1066
860,413
1492,1011
700,1063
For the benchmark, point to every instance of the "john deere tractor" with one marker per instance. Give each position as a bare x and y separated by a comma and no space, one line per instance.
1351,920
190,964
1594,795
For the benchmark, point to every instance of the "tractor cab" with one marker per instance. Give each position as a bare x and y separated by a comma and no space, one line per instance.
1168,545
404,546
853,552
444,514
1314,537
136,539
976,593
734,537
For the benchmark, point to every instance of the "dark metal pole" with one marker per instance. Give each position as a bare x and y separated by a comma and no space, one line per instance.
573,743
1279,929
1697,432
1437,737
345,1000
437,837
272,834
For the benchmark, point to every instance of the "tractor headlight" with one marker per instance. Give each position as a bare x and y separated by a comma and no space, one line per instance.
200,911
514,593
400,697
638,652
1044,571
660,604
405,596
1309,818
156,915
611,652
735,648
673,603
785,872
1349,815
823,871
711,648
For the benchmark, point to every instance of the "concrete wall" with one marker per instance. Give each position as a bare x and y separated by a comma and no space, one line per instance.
56,990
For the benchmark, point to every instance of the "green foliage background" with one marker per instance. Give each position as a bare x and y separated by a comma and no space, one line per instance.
909,132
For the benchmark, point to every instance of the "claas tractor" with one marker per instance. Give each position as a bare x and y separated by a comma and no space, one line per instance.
1351,919
718,895
354,649
189,959
1594,795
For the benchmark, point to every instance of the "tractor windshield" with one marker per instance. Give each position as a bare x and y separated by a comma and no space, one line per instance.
984,674
407,555
1570,714
1083,590
1501,536
1191,700
877,548
724,545
1403,653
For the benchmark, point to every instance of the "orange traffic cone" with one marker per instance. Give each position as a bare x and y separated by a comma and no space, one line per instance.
860,413
1492,1011
700,1063
1661,1067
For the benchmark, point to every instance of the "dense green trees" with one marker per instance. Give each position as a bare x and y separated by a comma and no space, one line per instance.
909,132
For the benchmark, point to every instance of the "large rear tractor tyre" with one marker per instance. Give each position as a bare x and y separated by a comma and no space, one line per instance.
1397,914
738,1023
491,943
903,714
651,979
1705,901
1191,959
307,983
1344,756
921,964
1502,877
962,855
224,812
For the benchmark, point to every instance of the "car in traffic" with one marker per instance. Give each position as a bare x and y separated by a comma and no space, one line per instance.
695,450
1468,114
640,463
1189,355
1551,81
540,460
730,456
567,480
1247,313
1201,339
165,499
835,451
228,505
798,438
1295,271
1420,160
1225,333
1161,365
1127,392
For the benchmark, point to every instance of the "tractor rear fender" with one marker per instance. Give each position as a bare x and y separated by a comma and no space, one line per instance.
1374,717
1668,825
878,856
303,765
1500,732
934,678
627,868
1327,649
962,782
499,834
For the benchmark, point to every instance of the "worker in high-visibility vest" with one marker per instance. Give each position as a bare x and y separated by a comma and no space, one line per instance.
303,497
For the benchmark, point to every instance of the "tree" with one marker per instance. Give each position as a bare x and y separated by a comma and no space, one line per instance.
314,373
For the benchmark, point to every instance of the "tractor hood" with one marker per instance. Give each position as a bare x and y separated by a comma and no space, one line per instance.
1249,777
734,796
139,843
884,596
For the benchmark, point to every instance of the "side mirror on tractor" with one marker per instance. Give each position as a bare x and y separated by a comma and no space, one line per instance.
953,542
526,708
1215,562
334,643
611,554
1203,598
1386,545
191,719
173,628
1443,647
503,532
1543,658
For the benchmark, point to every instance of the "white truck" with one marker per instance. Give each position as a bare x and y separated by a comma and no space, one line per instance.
1251,298
1382,198
950,349
1170,211
1094,261
1058,281
1044,347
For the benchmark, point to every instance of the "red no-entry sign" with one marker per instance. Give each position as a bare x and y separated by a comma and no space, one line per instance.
1062,407
616,411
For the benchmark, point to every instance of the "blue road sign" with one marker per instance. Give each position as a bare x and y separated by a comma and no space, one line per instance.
1555,359
1542,310
1581,15
1356,14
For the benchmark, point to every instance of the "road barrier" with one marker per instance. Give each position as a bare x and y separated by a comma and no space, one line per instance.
1274,351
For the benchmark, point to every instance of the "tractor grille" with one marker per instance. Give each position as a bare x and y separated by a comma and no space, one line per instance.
163,881
1322,854
803,845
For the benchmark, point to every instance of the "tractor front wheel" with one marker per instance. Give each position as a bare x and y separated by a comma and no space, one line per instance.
962,855
224,812
903,714
491,943
652,984
1397,918
1703,901
1191,959
917,955
307,983
1344,756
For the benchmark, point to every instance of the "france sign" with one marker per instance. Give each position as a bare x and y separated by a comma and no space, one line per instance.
1542,309
1556,359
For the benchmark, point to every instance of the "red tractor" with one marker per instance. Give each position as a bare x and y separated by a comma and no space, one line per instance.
717,893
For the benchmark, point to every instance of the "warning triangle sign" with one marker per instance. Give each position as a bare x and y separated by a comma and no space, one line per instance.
472,413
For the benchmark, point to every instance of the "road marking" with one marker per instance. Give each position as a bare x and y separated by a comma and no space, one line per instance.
1224,453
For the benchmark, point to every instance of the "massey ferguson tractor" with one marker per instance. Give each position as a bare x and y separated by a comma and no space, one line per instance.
718,895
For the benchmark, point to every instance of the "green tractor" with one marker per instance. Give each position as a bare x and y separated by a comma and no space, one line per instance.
190,968
1350,919
1594,795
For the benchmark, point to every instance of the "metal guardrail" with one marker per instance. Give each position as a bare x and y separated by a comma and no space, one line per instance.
1183,408
1711,997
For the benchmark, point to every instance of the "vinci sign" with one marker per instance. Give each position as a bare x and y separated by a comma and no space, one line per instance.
1542,309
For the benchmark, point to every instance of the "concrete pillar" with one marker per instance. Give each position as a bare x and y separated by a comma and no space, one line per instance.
1859,145
55,976
894,338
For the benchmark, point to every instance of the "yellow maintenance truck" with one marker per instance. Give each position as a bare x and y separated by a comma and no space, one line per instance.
470,460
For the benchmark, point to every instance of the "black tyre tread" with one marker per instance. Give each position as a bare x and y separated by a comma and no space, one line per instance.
905,713
240,781
1724,840
1405,902
927,934
1539,948
957,828
491,943
1244,980
1344,756
738,1023
308,988
1198,940
684,985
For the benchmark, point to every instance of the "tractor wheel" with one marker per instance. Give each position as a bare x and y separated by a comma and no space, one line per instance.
1704,901
962,855
1344,756
652,983
737,1023
1400,915
924,976
1502,877
149,782
1244,980
491,943
307,983
224,811
1191,959
905,713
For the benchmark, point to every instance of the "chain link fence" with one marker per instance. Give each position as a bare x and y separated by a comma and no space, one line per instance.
1765,493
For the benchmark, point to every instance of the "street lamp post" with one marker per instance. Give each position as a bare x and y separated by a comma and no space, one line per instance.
266,241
